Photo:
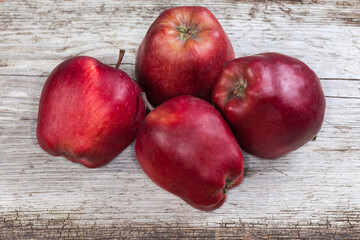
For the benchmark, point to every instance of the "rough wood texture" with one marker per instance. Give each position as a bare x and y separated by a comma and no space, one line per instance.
313,192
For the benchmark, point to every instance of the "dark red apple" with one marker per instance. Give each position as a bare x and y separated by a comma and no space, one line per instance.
88,112
187,148
274,103
182,54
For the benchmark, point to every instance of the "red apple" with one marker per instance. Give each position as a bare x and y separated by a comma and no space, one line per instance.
88,112
274,103
187,148
182,54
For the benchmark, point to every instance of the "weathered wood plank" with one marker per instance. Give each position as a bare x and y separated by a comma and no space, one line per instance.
324,34
313,192
68,229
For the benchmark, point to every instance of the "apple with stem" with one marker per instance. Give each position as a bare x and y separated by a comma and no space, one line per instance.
186,147
89,111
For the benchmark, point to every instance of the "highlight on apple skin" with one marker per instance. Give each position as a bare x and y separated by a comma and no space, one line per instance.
182,54
88,112
274,103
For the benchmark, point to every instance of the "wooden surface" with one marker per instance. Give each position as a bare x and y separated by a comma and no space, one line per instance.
313,192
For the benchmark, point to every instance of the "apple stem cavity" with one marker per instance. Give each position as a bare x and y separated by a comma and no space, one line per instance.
121,55
227,185
146,101
238,90
187,32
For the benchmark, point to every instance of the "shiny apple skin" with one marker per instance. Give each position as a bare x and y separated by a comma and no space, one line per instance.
88,112
282,106
186,147
166,66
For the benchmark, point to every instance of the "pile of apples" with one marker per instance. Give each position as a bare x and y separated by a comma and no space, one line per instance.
268,104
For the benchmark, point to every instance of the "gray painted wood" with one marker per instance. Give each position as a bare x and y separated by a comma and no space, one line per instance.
313,192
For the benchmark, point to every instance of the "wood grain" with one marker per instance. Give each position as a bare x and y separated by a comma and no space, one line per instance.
313,192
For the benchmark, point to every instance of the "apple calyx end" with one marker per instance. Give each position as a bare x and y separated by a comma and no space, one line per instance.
121,55
238,91
228,184
187,32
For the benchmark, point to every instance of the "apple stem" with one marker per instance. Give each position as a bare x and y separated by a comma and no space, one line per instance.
146,101
121,55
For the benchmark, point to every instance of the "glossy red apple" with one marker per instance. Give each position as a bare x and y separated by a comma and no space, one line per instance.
182,54
187,148
274,103
88,112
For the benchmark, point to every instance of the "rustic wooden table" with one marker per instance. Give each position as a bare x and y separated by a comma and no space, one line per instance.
313,192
